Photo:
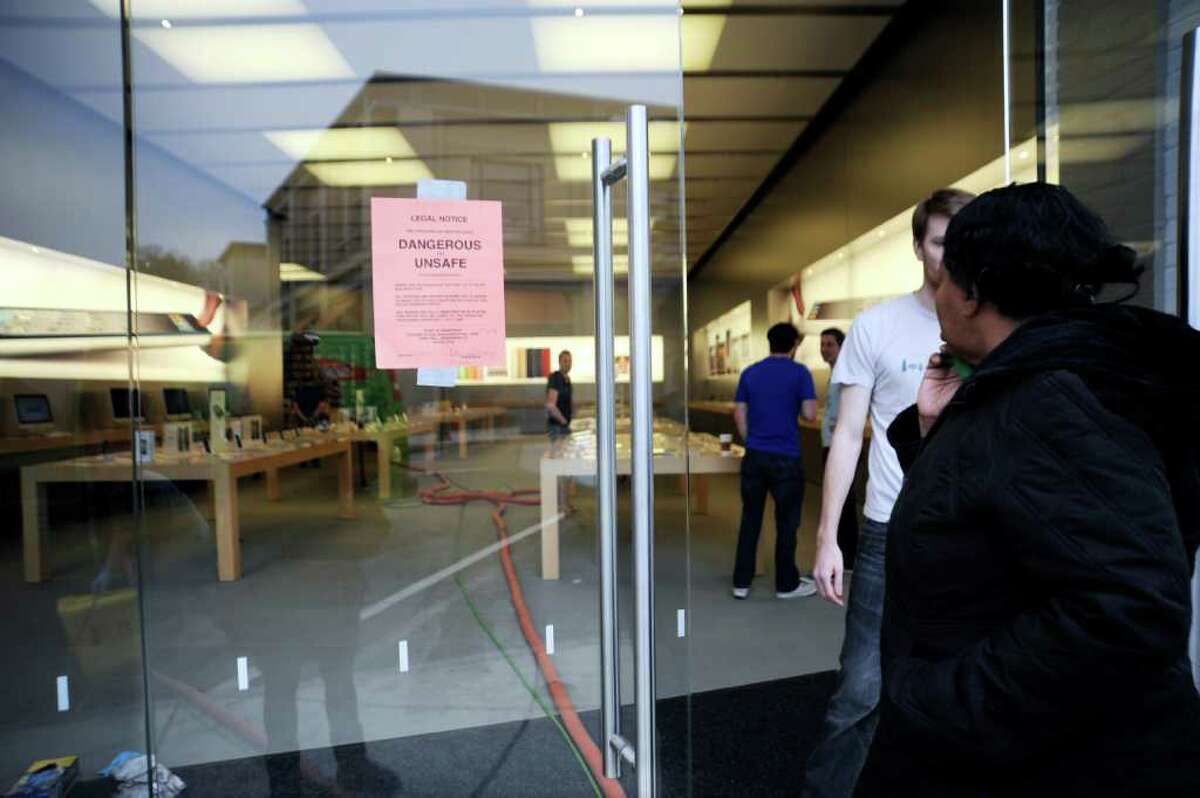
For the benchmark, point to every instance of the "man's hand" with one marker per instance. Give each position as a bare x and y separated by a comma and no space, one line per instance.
741,419
938,387
828,569
552,406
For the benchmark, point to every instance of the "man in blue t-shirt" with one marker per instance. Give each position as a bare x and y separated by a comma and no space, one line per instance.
771,396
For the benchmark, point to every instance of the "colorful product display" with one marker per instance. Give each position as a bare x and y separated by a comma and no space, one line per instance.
534,362
47,778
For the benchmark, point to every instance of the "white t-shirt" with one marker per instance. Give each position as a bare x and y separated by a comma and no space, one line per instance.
886,352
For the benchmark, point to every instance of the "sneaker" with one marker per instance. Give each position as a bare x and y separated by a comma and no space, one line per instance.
807,587
741,592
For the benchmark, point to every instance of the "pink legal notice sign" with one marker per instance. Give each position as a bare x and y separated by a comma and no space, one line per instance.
438,271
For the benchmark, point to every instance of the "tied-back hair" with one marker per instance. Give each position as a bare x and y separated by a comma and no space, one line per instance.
1034,248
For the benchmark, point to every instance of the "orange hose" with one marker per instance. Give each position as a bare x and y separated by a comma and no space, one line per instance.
438,495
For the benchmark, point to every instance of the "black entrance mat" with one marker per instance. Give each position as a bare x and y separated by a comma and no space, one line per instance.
744,741
747,741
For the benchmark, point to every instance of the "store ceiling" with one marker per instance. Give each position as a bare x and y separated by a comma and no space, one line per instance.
485,95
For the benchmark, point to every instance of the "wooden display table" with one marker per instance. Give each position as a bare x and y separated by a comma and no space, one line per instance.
576,456
22,444
459,418
385,439
222,470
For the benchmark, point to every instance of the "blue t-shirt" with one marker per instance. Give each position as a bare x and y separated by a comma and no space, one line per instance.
774,389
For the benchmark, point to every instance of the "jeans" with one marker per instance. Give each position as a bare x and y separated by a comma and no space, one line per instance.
850,720
783,477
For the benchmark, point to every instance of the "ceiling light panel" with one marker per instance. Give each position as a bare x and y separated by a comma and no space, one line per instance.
342,143
248,53
370,173
620,43
579,232
576,137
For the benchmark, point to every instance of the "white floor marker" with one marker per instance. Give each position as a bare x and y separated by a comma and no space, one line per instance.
680,623
403,648
243,670
549,638
64,694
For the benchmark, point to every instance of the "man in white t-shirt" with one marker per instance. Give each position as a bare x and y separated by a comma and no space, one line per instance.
879,370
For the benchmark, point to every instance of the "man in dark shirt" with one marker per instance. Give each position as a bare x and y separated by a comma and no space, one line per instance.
309,405
558,398
771,396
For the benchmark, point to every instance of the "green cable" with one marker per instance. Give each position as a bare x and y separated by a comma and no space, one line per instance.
529,687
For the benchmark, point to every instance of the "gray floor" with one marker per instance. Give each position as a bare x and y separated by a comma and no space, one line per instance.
325,605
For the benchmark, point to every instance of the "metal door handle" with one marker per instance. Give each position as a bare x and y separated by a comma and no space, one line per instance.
606,450
636,167
1188,239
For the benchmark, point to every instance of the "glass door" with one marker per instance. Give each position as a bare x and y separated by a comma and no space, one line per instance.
366,303
1118,120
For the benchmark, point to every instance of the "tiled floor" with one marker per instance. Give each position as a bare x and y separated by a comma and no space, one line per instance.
325,604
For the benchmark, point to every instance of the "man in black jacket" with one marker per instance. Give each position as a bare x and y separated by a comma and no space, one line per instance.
1036,621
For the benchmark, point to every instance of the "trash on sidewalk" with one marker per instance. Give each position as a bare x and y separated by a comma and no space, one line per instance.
129,770
46,778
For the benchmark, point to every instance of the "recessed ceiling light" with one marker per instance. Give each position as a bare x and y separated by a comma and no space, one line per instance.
1023,154
577,170
248,53
579,12
342,143
166,23
648,43
370,173
388,159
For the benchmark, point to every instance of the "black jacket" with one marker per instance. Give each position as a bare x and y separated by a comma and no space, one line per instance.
1038,563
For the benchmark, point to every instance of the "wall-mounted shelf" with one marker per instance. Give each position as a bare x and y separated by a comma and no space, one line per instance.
531,360
725,343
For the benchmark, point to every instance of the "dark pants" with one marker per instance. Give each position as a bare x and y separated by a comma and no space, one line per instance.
783,477
850,720
847,536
